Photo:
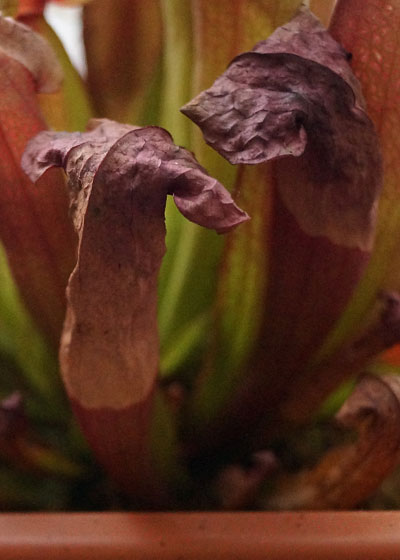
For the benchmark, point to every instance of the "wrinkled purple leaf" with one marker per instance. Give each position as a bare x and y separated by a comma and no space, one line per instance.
295,95
137,151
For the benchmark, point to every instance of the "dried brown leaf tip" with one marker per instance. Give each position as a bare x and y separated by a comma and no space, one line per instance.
295,95
348,474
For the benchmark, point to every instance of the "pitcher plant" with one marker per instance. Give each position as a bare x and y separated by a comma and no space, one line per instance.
200,309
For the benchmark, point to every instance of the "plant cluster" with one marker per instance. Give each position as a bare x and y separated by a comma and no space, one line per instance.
206,291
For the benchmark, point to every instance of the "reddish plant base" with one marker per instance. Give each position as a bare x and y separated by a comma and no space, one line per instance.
201,536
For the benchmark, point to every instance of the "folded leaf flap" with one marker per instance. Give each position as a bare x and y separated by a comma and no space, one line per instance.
295,95
49,149
199,197
203,200
270,99
30,49
148,151
45,151
304,36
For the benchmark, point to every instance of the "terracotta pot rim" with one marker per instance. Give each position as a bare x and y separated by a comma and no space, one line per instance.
200,536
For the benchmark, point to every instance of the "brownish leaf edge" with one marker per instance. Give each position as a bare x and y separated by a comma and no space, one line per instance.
348,474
